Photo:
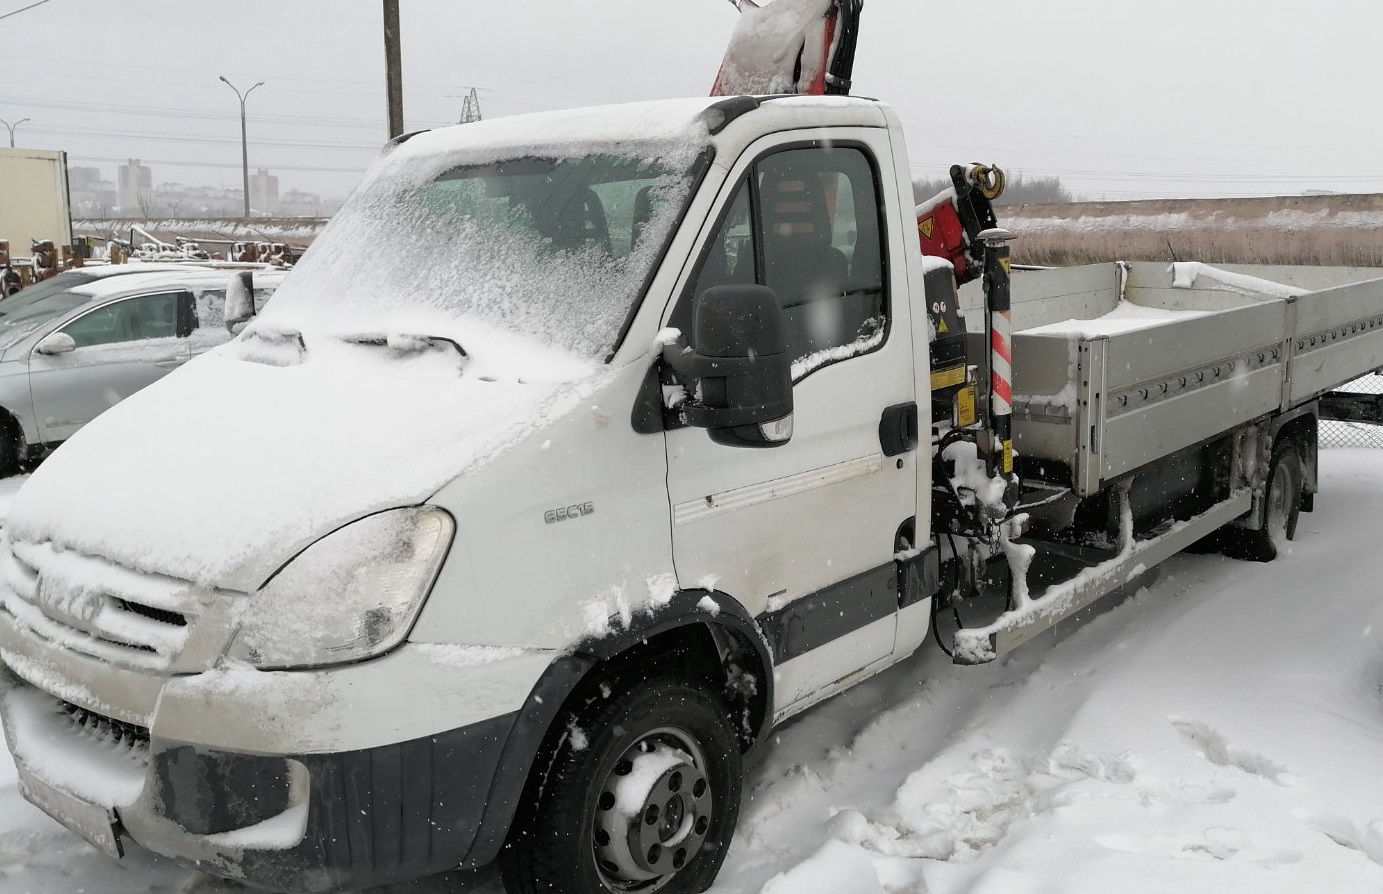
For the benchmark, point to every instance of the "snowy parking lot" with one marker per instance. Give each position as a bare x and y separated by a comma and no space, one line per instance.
1221,731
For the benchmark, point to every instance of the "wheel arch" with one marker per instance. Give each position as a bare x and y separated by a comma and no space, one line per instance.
712,639
1301,427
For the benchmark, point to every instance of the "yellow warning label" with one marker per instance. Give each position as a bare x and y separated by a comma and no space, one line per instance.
965,406
947,378
1008,457
941,327
927,225
1007,264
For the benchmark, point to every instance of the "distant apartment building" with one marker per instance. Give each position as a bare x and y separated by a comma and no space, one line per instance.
135,196
136,187
264,193
90,195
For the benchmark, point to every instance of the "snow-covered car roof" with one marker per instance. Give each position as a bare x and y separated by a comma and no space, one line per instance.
101,271
170,275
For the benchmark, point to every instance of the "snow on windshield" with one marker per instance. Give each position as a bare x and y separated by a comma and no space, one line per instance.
555,246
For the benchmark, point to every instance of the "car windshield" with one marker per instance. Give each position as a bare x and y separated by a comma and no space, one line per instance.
40,290
17,320
555,249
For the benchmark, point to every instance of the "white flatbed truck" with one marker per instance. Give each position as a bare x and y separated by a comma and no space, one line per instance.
727,512
650,428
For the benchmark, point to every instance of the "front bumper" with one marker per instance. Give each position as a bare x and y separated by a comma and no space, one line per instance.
339,778
305,822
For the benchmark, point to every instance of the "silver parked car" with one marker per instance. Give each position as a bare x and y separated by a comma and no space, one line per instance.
74,345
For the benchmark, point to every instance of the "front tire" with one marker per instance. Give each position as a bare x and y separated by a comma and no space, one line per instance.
640,793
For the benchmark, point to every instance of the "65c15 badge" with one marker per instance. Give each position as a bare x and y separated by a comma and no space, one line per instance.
567,513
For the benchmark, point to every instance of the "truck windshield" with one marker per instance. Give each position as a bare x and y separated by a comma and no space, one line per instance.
556,249
19,318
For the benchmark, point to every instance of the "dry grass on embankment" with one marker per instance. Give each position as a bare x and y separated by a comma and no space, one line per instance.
1333,230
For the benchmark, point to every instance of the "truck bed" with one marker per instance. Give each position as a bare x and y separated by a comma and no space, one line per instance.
1117,365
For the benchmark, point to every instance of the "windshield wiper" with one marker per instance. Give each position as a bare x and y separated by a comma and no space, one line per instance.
406,343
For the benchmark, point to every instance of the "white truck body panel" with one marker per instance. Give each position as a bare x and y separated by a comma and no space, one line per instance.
33,198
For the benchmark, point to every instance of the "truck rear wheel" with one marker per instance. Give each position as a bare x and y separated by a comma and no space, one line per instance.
1282,506
641,793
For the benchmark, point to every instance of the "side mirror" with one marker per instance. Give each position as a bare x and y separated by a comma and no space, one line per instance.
740,371
56,343
240,301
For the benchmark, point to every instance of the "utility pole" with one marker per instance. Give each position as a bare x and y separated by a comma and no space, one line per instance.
470,109
393,67
244,142
11,127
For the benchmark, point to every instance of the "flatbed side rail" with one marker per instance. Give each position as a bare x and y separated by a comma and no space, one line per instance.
980,645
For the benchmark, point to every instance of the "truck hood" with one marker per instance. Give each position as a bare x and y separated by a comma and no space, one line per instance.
223,471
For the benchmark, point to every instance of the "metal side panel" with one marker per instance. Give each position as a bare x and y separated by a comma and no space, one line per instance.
1145,424
1328,308
1152,353
1337,338
1013,628
1090,415
1044,396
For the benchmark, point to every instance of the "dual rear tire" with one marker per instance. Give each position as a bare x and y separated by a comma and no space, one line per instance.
1282,501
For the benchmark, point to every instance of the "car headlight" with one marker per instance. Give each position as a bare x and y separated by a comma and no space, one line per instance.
351,595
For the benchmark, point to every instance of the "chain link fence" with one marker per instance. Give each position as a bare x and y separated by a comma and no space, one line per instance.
1355,434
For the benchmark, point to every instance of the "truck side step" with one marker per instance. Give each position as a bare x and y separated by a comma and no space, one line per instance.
980,645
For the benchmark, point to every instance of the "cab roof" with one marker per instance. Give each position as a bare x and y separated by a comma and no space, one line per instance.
667,120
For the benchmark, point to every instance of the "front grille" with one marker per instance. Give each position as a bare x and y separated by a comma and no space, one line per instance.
163,616
101,609
106,729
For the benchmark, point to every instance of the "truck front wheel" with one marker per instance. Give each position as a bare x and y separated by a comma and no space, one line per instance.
1282,505
641,793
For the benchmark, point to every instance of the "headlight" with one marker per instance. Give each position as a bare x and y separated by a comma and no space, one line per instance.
353,594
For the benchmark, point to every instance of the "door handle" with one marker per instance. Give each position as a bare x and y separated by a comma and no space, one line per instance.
169,364
898,429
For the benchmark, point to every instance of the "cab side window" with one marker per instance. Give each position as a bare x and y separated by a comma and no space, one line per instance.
730,258
134,319
806,224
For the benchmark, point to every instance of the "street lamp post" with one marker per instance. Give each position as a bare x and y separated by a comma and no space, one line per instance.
11,127
244,144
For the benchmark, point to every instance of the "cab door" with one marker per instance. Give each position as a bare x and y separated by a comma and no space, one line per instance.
121,347
804,535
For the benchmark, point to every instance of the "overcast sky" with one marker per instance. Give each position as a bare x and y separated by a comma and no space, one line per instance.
1122,99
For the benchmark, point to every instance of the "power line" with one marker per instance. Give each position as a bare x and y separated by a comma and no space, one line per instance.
314,169
23,9
195,138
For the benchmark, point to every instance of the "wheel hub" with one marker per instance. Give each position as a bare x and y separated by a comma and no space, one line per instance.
653,813
673,823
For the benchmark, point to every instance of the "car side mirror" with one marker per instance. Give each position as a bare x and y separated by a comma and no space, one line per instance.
240,301
739,372
56,343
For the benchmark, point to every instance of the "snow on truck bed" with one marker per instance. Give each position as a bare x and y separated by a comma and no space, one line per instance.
1221,731
1125,317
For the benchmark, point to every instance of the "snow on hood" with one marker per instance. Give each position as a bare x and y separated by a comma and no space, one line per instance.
222,472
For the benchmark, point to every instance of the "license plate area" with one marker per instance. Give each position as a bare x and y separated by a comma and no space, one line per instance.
91,821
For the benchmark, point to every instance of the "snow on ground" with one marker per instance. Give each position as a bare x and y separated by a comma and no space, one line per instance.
1221,731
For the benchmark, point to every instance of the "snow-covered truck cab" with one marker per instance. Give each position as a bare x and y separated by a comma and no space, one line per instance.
464,546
